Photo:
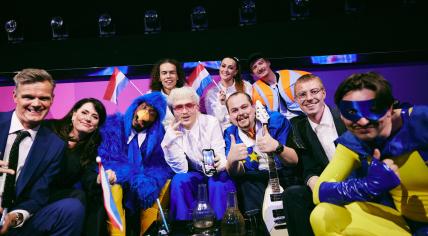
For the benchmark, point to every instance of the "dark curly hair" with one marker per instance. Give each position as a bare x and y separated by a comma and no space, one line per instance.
156,84
89,145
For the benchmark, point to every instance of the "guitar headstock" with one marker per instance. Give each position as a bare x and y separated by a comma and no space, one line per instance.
261,113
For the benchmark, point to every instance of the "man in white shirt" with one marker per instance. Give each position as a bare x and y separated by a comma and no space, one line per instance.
30,155
184,140
317,132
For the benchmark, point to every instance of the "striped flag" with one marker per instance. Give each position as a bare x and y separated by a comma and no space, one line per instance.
109,204
200,79
117,83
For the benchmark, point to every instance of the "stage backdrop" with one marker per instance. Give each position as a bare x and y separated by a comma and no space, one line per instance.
409,81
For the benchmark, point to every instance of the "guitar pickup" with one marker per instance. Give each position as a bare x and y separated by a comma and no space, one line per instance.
280,221
276,197
278,213
278,227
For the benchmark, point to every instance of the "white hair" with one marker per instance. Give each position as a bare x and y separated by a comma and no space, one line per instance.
181,93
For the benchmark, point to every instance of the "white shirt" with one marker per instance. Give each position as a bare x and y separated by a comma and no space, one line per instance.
214,107
184,151
24,149
141,137
326,132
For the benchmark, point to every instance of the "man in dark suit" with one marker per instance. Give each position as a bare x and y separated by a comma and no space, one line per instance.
29,159
317,132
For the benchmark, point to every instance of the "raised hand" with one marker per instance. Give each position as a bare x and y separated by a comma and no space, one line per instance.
174,128
237,152
266,143
222,97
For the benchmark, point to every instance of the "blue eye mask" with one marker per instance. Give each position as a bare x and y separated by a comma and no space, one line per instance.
355,110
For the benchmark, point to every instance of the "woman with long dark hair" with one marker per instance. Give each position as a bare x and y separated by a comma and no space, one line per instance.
230,82
78,177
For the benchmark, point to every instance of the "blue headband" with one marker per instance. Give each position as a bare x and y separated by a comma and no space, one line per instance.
355,110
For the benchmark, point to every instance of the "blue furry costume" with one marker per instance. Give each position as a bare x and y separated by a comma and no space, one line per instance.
142,176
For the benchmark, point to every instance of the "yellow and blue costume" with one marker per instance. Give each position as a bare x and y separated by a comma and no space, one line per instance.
351,202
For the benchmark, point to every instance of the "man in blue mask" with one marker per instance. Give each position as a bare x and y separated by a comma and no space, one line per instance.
376,182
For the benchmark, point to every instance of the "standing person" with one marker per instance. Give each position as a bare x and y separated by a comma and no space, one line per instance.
183,143
382,155
274,89
230,82
167,74
244,160
79,128
317,131
30,158
131,148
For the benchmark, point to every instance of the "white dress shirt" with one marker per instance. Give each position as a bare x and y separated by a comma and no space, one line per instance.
214,107
24,149
141,137
326,132
184,151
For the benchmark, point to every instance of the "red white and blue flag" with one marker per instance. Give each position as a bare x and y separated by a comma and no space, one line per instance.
109,204
117,83
200,79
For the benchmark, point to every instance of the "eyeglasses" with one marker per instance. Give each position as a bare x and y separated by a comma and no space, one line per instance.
303,95
180,107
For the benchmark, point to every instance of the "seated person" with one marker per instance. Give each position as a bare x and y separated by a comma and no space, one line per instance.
230,82
131,147
185,138
78,175
382,155
246,141
30,157
317,132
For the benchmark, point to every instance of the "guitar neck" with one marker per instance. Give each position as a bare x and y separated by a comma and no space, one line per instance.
273,174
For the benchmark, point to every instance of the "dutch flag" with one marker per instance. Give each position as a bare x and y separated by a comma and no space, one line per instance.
199,79
117,83
109,204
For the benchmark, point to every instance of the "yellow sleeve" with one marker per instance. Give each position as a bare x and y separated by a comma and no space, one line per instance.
344,161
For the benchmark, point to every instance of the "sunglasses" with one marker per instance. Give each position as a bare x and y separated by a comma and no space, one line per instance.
180,107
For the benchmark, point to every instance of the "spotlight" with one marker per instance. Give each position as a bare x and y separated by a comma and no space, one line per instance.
247,13
354,7
59,30
299,9
14,33
152,23
199,19
106,26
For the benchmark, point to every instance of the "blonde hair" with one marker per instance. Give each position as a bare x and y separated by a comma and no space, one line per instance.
30,76
181,93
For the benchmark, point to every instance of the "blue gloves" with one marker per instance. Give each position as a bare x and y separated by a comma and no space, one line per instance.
380,179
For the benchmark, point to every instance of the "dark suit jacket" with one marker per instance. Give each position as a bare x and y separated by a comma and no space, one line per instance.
41,165
312,155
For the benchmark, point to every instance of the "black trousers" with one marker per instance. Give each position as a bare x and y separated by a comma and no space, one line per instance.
298,207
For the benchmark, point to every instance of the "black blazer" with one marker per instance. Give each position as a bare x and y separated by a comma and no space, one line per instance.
311,154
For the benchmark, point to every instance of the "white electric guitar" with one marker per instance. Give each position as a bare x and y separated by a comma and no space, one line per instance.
273,209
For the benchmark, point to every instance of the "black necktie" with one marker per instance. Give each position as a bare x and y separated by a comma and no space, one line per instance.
9,186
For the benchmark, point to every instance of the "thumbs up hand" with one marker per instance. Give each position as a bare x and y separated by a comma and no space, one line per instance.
237,152
222,97
387,162
266,143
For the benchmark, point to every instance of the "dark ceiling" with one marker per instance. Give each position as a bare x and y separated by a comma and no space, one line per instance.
378,26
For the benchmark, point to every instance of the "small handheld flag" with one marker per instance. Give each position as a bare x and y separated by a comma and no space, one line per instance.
109,203
200,79
116,84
